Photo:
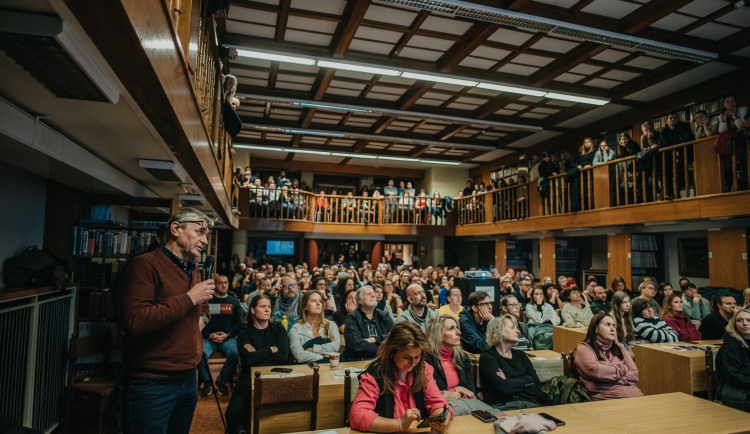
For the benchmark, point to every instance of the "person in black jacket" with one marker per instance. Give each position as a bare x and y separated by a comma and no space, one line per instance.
260,342
674,133
452,366
474,321
585,159
715,323
547,168
733,362
509,381
365,328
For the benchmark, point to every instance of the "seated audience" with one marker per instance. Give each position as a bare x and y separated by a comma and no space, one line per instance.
618,284
442,289
350,304
604,153
474,321
733,362
695,306
604,366
329,304
287,305
715,323
664,289
554,296
576,313
417,312
541,318
647,291
510,305
454,307
220,334
366,327
260,342
391,298
452,366
705,126
648,327
621,312
509,381
600,303
672,314
312,338
746,297
398,387
523,294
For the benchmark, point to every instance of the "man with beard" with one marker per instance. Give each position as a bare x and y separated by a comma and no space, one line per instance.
288,304
366,327
417,312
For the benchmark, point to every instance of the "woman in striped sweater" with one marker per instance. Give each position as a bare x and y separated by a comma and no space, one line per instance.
649,328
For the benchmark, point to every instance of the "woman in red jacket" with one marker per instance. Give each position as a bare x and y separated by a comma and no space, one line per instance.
673,314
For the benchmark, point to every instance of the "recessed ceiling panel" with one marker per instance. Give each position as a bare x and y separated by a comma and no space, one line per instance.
445,25
701,8
399,17
335,7
420,54
593,115
738,17
554,45
673,22
713,31
510,37
611,8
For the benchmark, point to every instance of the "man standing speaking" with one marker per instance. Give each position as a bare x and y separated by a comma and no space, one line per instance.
162,306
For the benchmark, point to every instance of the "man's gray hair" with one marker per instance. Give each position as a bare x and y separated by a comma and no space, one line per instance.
496,329
186,215
358,294
646,124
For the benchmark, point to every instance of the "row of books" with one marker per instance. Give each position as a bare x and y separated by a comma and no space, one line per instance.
148,223
100,363
106,242
643,242
643,259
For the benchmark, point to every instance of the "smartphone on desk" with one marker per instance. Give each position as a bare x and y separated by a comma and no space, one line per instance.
557,421
437,418
484,416
286,370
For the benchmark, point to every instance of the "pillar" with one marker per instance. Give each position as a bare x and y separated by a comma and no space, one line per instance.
727,258
547,266
618,258
239,243
311,253
501,250
377,253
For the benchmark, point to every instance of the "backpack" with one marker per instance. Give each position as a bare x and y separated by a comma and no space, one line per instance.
564,390
34,268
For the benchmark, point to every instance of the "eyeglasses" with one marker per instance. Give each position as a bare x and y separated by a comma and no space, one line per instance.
486,303
290,285
205,230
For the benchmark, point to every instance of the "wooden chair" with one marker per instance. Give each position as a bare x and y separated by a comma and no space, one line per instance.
349,392
296,393
711,379
83,387
569,366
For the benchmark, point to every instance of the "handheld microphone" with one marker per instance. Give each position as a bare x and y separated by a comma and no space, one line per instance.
208,267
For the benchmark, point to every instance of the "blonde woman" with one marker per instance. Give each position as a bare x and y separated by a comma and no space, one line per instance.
312,338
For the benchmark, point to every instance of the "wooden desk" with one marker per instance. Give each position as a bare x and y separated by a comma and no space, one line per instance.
662,370
671,412
565,339
330,401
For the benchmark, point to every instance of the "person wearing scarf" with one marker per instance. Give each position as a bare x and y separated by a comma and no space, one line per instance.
288,304
604,365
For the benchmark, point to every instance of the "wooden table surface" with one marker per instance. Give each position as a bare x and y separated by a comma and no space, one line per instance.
565,339
665,370
672,412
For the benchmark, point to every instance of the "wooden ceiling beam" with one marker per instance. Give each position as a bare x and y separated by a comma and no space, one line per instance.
332,168
322,82
351,18
418,151
450,131
657,75
579,6
649,13
281,21
576,56
472,155
410,97
474,37
707,19
490,107
421,16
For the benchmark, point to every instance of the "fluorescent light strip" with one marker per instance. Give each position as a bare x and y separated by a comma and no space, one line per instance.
345,154
410,160
575,98
257,148
447,163
313,132
348,155
331,107
358,68
439,79
499,87
306,151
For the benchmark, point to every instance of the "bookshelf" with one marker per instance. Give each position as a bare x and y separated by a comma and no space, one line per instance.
645,257
568,261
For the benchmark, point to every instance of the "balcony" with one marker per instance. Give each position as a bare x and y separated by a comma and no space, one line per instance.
619,192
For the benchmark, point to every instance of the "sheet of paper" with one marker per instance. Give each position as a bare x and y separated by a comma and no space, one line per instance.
292,374
339,374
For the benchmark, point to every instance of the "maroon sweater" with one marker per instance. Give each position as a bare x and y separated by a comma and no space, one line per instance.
158,319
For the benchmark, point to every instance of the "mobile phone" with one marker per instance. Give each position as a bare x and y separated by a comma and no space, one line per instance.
281,370
484,416
437,418
553,419
312,365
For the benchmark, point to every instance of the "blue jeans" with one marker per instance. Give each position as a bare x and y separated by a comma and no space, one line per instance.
159,406
229,348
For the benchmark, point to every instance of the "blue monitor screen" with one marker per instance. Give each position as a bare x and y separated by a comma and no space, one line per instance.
280,247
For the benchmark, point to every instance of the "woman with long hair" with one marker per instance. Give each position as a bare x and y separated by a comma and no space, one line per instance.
312,338
673,314
509,380
621,312
542,317
398,388
618,284
329,304
733,362
261,342
391,298
604,153
452,366
604,366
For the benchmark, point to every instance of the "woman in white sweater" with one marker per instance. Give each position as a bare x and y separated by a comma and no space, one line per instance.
541,318
313,337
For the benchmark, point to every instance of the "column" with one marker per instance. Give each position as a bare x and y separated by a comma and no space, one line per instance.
239,243
501,249
618,258
377,253
311,253
727,258
547,266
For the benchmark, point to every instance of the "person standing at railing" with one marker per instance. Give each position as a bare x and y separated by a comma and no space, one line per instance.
651,141
733,119
349,208
705,125
390,191
406,208
585,159
547,168
420,207
437,208
674,133
625,148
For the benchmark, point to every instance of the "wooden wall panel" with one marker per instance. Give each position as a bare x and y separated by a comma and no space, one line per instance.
547,266
501,250
618,258
708,172
727,263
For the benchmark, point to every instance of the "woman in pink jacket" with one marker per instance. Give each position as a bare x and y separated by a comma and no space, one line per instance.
398,387
673,314
604,365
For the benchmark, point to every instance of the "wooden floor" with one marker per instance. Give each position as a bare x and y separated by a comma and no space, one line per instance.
207,419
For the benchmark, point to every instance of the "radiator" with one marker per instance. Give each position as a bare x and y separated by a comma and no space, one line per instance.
35,330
